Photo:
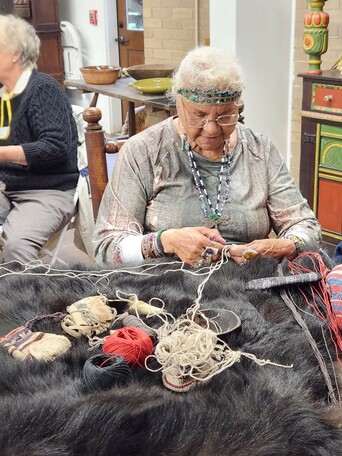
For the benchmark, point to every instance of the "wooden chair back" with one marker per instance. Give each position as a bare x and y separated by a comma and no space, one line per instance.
97,146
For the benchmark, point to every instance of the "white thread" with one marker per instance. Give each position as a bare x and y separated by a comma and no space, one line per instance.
209,355
189,350
136,230
99,275
212,268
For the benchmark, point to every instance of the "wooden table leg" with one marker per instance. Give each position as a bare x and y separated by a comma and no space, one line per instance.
94,100
131,119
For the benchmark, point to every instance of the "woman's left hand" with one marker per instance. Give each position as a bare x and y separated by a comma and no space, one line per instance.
275,248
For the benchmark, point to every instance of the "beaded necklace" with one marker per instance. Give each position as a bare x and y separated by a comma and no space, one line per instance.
212,216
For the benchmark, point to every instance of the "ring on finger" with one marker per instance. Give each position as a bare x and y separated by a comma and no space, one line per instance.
207,258
249,254
209,251
198,264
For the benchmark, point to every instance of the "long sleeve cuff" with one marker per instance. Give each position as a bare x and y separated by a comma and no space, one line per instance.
130,249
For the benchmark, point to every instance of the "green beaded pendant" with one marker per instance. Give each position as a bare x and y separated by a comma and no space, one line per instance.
214,220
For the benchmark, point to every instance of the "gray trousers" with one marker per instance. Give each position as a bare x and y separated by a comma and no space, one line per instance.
29,218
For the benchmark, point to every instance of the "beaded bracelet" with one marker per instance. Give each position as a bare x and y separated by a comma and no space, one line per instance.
151,245
159,245
145,248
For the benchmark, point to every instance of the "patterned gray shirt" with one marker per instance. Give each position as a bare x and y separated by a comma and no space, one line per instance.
152,188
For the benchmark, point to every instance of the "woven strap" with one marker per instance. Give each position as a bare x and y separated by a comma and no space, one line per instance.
334,284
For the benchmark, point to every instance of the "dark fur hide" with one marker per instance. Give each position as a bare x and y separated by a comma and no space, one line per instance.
245,410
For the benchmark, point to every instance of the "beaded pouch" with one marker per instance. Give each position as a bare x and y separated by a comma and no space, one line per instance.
89,317
23,344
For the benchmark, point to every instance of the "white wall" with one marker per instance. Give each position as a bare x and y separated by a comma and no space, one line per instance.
259,33
99,47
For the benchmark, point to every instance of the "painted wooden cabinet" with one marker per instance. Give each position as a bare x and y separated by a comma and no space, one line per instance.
321,150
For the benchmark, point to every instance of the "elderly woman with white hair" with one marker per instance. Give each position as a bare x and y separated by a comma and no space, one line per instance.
38,146
191,184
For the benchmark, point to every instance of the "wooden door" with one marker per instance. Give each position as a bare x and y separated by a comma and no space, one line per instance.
45,19
6,7
130,36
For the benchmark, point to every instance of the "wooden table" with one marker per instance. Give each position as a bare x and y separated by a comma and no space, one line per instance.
121,89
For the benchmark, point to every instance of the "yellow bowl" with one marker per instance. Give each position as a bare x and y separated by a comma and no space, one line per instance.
101,74
153,85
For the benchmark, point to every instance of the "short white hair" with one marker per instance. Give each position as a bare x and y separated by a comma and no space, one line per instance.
208,67
18,36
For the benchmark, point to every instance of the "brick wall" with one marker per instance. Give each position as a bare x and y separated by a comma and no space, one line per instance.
334,9
169,29
170,32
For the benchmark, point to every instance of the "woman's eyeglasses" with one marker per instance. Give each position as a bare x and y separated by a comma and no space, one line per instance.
223,121
201,122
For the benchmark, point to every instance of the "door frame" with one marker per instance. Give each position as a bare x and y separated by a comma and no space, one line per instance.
112,56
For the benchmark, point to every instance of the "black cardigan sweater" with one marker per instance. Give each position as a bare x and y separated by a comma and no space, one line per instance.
43,124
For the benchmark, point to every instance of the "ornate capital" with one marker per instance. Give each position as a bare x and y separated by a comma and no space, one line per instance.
315,39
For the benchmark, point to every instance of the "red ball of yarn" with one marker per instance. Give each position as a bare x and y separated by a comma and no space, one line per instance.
132,343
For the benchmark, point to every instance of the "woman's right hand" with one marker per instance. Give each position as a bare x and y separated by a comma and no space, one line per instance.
189,243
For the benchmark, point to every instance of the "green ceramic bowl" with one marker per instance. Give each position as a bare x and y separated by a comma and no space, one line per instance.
153,85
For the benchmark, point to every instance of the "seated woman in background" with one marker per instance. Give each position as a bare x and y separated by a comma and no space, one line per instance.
196,181
38,146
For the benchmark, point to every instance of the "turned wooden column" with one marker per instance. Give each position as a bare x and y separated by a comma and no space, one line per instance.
315,40
97,146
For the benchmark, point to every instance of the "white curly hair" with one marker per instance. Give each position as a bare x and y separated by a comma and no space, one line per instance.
208,67
18,36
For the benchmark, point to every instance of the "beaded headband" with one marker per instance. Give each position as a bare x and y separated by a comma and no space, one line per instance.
209,96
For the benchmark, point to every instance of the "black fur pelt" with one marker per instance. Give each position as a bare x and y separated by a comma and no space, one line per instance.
246,410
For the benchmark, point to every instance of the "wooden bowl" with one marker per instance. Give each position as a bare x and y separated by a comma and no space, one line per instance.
101,74
148,71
